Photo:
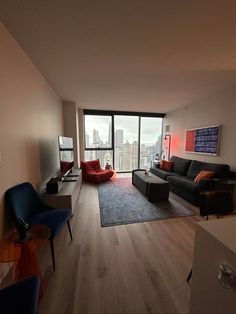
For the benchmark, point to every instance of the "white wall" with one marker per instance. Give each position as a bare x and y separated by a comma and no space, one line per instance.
216,109
71,127
31,118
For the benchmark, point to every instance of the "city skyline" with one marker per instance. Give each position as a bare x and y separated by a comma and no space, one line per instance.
125,156
128,155
151,128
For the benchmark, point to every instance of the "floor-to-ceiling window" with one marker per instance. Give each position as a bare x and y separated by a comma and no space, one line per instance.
123,139
150,140
126,132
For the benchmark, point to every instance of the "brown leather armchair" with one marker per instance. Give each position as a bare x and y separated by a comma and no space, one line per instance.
216,202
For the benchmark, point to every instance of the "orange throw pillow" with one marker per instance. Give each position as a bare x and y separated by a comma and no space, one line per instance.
166,165
204,175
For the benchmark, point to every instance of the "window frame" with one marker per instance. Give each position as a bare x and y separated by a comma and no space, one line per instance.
119,113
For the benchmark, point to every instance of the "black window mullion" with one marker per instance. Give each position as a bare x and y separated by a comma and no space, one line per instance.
122,113
139,132
105,148
113,139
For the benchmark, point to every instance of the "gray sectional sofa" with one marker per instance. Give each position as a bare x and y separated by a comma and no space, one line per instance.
181,178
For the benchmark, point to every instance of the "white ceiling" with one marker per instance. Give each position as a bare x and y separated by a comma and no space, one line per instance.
133,55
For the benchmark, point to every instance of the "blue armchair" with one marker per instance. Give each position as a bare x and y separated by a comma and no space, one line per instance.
28,209
21,297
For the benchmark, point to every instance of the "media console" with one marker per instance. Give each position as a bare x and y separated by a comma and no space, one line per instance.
72,177
68,196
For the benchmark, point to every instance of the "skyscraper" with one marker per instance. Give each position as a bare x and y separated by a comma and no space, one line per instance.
119,138
96,138
158,145
87,140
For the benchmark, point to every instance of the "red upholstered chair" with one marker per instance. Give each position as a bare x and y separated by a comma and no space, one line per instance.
92,172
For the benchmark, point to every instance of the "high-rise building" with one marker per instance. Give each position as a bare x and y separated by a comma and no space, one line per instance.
158,145
87,140
96,138
119,138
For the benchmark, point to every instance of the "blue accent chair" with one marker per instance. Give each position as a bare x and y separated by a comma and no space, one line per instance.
21,297
28,209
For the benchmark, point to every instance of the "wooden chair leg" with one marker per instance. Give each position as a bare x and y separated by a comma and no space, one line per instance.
52,253
189,275
69,228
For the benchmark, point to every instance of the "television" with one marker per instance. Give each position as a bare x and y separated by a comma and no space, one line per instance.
66,154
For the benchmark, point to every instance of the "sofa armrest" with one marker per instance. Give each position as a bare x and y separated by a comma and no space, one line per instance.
213,184
138,170
206,185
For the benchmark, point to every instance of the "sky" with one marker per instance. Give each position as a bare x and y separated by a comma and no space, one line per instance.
150,127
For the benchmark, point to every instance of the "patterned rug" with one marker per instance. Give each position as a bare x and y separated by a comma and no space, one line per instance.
122,203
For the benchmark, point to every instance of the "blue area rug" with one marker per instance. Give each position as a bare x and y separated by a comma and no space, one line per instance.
122,203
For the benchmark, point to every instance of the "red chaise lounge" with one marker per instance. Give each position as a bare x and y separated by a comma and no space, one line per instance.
92,172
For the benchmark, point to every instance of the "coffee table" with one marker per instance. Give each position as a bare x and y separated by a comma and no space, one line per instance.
153,187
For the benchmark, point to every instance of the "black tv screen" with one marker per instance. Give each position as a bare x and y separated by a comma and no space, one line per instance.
66,154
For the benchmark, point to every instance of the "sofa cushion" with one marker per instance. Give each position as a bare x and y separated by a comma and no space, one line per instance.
163,174
203,174
184,183
166,165
91,164
180,165
98,176
221,170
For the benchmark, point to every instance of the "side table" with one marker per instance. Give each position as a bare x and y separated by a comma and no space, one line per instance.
227,185
155,163
217,202
24,253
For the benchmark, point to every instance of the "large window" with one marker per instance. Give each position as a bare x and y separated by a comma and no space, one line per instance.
125,140
150,140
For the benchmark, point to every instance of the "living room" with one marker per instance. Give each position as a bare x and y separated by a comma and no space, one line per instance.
137,268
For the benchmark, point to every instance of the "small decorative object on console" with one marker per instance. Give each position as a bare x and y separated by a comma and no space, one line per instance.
157,157
54,185
108,167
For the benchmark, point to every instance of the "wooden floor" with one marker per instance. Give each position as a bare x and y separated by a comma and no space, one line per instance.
135,268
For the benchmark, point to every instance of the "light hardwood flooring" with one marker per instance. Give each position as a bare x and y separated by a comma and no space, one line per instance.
135,268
